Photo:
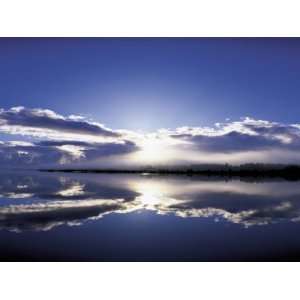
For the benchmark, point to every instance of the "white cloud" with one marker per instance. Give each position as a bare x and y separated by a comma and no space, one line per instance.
63,140
44,123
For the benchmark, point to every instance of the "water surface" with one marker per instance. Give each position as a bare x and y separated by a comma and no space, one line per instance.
123,217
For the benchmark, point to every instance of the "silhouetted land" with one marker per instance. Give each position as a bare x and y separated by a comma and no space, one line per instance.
288,172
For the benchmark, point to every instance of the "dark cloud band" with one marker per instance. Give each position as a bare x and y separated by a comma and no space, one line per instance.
47,119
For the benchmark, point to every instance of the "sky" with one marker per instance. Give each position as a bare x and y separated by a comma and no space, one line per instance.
147,100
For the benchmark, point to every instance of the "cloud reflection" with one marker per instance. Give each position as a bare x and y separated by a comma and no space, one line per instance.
44,201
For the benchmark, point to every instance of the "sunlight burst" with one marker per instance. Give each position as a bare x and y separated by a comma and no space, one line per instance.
154,150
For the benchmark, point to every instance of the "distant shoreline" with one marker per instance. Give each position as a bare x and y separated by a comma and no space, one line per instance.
291,172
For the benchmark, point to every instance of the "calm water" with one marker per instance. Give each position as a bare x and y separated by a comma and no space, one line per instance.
118,217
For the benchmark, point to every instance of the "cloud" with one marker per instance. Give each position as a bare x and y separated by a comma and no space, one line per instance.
21,154
92,151
56,139
247,140
246,135
47,123
18,154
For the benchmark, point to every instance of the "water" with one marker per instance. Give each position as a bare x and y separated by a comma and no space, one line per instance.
119,217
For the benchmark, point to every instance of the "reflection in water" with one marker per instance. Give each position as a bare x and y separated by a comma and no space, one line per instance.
41,201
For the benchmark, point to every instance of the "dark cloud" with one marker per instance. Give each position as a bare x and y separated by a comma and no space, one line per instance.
68,139
230,142
244,136
108,149
47,119
95,150
60,152
21,155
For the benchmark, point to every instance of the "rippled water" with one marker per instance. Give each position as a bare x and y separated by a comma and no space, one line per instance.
118,217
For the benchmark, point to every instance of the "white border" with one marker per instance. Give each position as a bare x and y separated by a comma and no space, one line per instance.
149,18
145,281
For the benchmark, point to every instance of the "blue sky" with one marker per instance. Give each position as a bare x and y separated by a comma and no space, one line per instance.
91,98
146,84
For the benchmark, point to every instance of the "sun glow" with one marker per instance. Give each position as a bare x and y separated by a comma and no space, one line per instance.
151,194
154,150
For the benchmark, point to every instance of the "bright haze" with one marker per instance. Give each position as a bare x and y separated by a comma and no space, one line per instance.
96,102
